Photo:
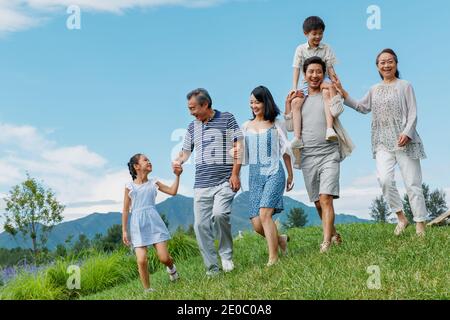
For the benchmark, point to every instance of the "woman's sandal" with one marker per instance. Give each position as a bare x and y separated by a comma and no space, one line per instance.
400,228
286,239
325,246
336,239
271,263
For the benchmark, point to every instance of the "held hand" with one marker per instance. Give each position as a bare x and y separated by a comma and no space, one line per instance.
289,183
403,140
176,164
333,90
325,85
338,86
334,78
178,170
235,183
125,239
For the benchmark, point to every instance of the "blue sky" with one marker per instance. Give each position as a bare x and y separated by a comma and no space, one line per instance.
76,104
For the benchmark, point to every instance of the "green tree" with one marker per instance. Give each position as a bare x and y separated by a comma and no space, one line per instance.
190,231
164,218
296,218
61,251
68,240
379,210
113,238
81,244
434,201
180,230
97,242
32,210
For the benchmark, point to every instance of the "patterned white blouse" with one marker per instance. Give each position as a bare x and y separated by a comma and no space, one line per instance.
394,112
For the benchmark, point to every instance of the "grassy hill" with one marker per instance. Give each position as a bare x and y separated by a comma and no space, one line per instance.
411,268
178,210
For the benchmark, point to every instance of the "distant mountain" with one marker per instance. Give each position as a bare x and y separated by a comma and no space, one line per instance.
179,212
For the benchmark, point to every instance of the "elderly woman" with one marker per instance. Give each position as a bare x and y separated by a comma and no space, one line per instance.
394,138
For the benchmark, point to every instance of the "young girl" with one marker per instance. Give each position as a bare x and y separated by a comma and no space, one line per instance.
146,226
266,145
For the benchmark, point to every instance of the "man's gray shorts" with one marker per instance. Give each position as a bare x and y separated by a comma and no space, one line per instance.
321,174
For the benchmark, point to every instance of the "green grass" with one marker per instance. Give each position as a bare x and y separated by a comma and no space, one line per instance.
411,268
98,271
31,287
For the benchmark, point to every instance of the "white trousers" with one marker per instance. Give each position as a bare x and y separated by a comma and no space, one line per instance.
412,178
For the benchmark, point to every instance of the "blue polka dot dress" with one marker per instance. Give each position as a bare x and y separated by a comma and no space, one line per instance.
267,178
146,225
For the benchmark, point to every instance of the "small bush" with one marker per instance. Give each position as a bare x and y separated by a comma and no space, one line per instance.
99,271
28,286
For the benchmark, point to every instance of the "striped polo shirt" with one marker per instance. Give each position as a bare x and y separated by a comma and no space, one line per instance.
212,142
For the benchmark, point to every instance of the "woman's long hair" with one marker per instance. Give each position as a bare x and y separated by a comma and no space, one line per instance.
271,110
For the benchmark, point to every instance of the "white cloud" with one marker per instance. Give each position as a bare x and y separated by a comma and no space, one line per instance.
17,15
117,6
25,137
72,172
82,179
78,156
14,16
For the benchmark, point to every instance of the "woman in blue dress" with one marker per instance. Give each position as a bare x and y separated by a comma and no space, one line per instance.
265,145
146,227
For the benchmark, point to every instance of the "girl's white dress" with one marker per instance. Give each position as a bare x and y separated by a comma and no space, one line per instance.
146,225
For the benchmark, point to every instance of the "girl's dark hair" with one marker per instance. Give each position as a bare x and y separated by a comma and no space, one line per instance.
271,110
134,160
314,60
392,52
313,23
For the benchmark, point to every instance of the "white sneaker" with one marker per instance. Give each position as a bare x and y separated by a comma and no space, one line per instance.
227,265
173,274
212,273
149,290
297,143
331,135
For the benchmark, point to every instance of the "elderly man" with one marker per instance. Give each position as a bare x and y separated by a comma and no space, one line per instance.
320,158
212,135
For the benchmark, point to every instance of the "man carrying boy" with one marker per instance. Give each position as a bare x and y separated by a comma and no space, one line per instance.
313,28
320,157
